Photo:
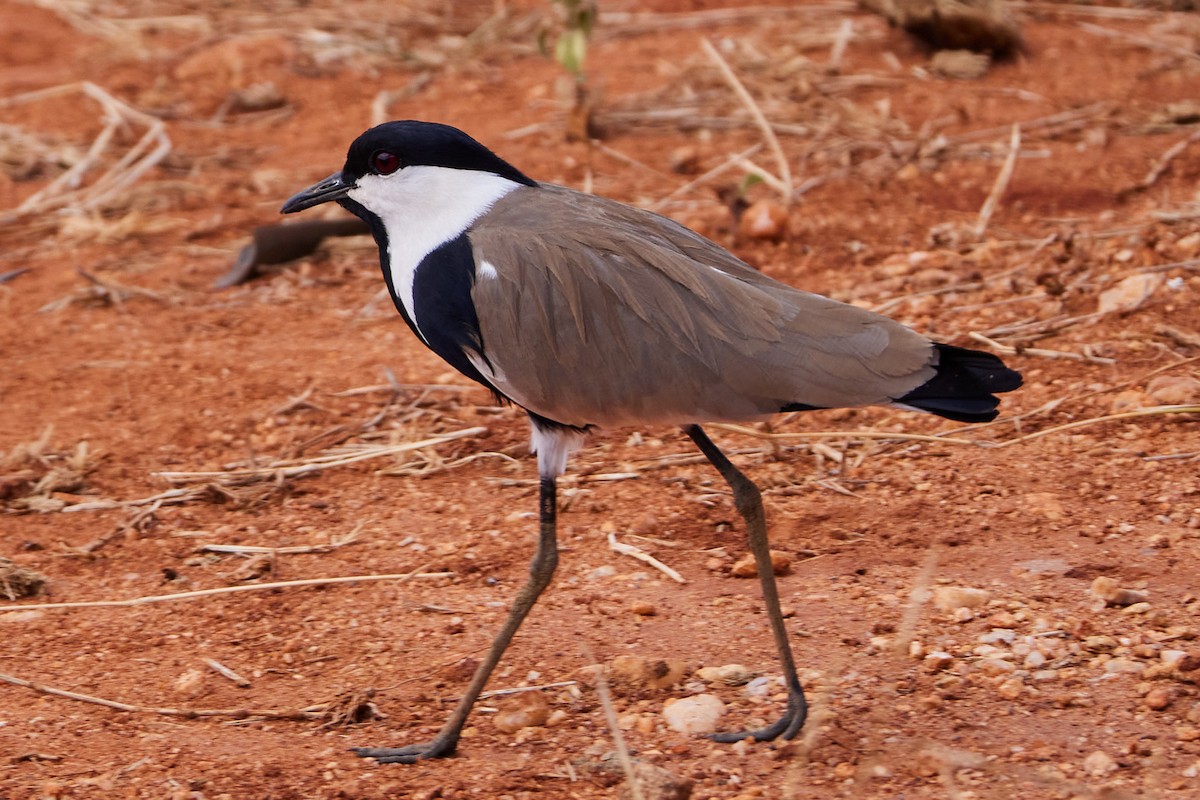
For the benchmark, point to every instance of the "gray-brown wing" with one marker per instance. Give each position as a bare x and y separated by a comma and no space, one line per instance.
631,318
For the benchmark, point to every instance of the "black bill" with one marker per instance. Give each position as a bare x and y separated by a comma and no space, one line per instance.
332,188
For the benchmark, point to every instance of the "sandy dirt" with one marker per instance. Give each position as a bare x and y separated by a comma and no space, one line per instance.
120,364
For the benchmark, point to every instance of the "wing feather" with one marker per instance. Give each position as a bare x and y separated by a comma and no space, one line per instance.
632,318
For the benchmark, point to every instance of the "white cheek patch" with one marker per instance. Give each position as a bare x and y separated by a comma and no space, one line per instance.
421,209
486,271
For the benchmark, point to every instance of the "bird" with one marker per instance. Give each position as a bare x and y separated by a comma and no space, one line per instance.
589,314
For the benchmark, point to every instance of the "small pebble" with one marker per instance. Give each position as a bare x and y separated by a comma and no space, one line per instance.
949,598
1099,764
648,673
937,661
994,666
781,563
643,609
684,160
1110,591
1099,644
524,710
998,635
1123,666
1129,294
1159,698
1172,657
656,783
960,64
764,219
190,683
1187,733
728,675
1170,390
963,614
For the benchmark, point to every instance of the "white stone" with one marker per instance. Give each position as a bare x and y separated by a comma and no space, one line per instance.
696,714
1099,764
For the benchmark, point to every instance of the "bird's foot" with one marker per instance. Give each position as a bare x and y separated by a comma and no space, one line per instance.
786,727
437,748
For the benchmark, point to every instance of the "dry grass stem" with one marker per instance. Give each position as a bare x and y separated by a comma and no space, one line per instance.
403,387
1164,162
1035,351
334,544
1142,41
251,587
614,727
426,467
186,713
521,689
1180,337
64,192
226,672
918,596
750,168
1001,185
785,171
844,35
1047,126
712,174
290,468
102,291
643,556
1106,12
632,23
1154,411
1190,264
879,435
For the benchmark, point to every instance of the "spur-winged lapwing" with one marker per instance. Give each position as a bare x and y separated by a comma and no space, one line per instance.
590,313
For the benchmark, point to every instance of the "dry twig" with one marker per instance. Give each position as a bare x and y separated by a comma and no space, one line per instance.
226,672
64,191
644,557
1153,411
1001,185
334,544
250,587
785,171
1163,163
1035,351
186,713
290,468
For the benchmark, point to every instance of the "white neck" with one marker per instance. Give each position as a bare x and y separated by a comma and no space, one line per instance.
422,208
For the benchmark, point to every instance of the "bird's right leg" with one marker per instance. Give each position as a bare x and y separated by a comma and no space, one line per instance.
748,500
541,570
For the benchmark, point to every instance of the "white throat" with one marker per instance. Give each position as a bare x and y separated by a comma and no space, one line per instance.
422,208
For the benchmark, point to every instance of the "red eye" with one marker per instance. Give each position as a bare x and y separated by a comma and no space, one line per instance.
385,163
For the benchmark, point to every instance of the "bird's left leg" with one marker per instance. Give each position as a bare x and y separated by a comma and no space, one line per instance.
541,570
748,500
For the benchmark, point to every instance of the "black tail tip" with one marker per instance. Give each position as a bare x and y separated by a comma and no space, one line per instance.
964,386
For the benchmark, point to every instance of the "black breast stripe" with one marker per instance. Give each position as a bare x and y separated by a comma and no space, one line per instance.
446,313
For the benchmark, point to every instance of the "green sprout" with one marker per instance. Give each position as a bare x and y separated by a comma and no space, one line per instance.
570,51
